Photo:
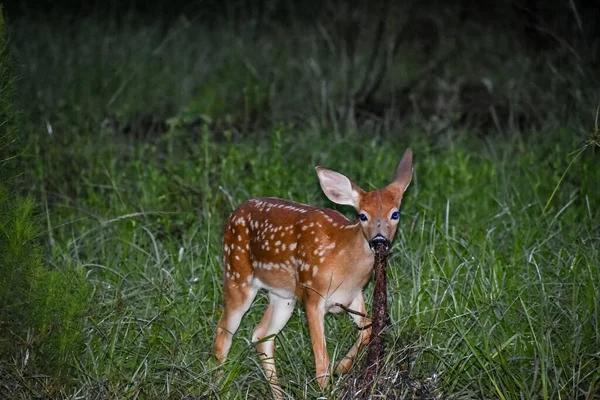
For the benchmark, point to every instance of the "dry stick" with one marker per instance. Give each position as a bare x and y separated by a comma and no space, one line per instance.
351,311
375,353
376,349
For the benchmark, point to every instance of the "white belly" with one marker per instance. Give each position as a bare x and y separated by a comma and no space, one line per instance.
284,293
345,298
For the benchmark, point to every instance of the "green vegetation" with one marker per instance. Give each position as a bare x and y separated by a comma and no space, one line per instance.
143,137
41,309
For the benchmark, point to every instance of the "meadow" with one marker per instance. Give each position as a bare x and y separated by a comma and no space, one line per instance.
141,136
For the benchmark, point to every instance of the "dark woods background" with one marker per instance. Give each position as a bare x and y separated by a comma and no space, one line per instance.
541,23
567,19
560,38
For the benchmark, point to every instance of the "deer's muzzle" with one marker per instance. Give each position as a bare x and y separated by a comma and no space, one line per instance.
379,239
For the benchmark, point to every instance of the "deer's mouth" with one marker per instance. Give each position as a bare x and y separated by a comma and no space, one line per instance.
379,240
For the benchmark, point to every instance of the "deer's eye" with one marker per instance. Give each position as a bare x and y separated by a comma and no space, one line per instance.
362,217
395,215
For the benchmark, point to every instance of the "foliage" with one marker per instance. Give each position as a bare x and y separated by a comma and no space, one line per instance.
41,309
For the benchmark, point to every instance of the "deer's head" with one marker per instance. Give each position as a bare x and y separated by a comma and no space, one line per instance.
379,210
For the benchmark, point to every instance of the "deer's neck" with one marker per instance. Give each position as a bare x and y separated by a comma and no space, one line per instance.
358,246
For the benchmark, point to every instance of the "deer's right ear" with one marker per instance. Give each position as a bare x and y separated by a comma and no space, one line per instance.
404,170
338,188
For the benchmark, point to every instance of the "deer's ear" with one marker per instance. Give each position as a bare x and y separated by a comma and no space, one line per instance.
338,188
404,172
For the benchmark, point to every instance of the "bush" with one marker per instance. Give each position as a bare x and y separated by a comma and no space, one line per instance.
41,309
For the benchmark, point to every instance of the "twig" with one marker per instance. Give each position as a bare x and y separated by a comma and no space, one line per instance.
351,311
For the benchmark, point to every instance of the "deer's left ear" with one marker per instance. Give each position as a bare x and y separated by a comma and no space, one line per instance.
338,188
403,174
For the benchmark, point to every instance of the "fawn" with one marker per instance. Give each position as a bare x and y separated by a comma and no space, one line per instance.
317,256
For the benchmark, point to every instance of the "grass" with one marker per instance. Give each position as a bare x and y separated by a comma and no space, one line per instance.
41,309
144,138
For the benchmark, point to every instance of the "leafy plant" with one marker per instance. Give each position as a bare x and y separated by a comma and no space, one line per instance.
41,307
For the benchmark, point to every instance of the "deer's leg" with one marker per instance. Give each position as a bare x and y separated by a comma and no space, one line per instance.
238,299
277,315
364,335
315,314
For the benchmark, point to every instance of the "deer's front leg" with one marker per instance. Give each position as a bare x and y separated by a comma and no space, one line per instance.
364,335
315,313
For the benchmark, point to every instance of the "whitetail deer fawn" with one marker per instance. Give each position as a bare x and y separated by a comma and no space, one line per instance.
296,251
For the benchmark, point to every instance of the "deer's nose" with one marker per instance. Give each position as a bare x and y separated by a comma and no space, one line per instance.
379,239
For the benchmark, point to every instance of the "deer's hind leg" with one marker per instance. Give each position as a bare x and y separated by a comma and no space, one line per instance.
364,336
238,290
276,316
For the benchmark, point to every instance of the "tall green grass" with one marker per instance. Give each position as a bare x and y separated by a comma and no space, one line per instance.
491,295
41,309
